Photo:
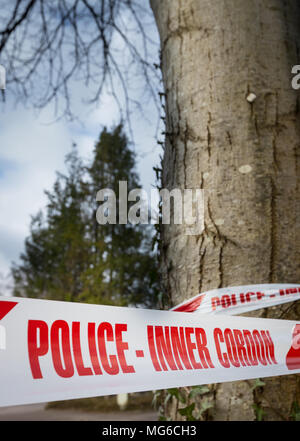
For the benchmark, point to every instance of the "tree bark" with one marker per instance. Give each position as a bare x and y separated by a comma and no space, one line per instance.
245,155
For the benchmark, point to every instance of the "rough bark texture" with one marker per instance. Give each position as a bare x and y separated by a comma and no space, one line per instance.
244,155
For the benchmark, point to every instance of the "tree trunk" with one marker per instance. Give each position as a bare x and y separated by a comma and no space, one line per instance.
245,155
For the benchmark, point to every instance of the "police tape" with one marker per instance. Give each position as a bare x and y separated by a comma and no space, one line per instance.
53,350
240,299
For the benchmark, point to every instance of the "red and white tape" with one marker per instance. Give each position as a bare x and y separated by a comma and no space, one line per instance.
240,299
54,350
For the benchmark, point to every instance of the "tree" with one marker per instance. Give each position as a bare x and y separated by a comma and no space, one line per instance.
57,249
121,253
48,45
243,153
232,128
69,256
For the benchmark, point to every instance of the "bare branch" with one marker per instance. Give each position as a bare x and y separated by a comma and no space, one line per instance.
48,45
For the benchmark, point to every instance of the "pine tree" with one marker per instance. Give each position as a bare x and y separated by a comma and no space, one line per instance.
69,256
56,251
123,269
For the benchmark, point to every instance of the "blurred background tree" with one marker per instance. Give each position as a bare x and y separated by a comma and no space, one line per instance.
70,256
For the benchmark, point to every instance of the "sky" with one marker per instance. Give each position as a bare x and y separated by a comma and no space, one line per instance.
33,148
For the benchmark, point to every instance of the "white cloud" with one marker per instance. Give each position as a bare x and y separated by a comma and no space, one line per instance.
30,153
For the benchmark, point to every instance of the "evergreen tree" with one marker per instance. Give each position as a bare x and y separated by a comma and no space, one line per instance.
56,251
70,256
123,269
